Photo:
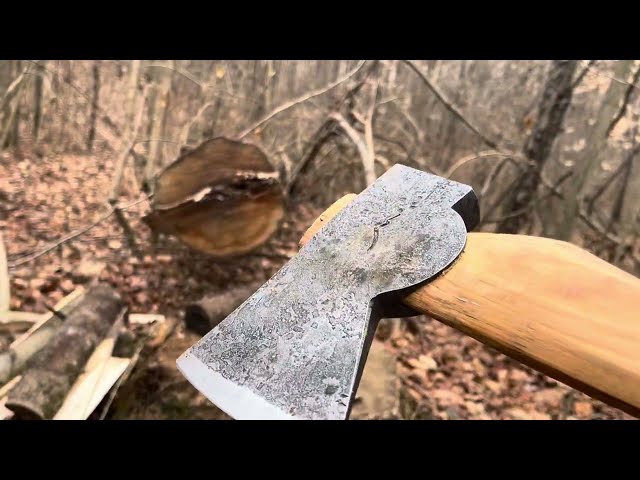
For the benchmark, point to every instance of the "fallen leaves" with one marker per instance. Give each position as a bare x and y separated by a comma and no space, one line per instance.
423,362
583,409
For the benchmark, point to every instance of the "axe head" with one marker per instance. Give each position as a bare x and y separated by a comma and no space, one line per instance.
296,348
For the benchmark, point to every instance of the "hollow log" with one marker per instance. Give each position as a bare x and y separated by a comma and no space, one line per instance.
202,316
224,198
50,373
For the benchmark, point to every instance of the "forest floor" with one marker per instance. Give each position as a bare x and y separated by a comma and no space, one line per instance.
442,374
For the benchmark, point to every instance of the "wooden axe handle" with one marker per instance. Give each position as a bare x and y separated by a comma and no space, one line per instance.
548,304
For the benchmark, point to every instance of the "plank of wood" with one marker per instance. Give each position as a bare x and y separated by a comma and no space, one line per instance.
92,386
5,413
5,294
546,303
145,318
16,322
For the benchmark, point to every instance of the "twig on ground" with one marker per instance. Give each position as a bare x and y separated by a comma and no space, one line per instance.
110,211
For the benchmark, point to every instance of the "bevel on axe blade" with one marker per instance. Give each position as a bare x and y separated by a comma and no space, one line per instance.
296,348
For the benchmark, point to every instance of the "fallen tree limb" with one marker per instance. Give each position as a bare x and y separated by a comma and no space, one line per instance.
51,372
25,346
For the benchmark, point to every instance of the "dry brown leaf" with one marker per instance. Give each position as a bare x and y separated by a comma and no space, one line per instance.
583,409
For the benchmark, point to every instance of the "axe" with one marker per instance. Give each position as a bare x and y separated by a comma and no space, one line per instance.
296,348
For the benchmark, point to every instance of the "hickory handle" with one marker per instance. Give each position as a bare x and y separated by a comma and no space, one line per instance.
548,304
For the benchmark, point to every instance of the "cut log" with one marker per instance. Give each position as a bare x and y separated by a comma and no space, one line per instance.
25,346
202,316
224,198
51,372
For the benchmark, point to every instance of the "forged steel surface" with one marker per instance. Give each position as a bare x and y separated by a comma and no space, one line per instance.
296,348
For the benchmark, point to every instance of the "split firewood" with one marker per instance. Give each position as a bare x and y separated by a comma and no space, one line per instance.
224,198
51,372
202,316
121,380
38,335
5,295
100,374
5,413
145,318
17,322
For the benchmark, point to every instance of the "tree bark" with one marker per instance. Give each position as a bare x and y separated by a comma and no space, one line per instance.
132,92
95,70
575,190
158,120
37,99
51,372
555,101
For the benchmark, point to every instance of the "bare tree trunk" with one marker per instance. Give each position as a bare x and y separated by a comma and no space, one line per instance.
132,91
563,227
158,120
37,99
555,101
95,70
629,214
9,128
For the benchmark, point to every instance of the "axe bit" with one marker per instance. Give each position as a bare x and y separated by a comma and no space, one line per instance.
297,347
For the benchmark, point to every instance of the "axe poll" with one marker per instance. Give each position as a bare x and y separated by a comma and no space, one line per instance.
297,347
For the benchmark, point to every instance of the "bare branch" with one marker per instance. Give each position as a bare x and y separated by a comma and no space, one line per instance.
353,135
181,71
584,71
449,106
110,211
12,89
473,156
184,135
300,99
534,201
625,102
602,188
120,163
495,171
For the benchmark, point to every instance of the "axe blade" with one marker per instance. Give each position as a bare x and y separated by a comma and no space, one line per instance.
296,348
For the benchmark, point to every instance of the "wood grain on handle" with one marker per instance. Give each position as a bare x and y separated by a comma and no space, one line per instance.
548,304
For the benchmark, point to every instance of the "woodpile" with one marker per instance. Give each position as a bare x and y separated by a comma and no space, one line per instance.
69,362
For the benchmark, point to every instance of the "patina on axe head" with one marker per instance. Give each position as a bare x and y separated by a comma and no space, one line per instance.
296,348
